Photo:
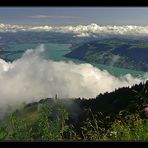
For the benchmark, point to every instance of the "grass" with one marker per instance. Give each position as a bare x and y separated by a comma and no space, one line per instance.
44,128
49,123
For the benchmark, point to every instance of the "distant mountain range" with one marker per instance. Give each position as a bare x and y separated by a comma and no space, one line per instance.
119,52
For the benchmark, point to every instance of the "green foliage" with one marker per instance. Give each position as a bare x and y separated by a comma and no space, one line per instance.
44,128
52,130
18,129
51,125
133,129
92,129
3,132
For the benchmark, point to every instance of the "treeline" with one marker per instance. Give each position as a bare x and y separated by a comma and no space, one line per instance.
124,99
111,116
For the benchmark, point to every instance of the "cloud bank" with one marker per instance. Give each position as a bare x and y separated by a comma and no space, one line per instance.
93,30
32,78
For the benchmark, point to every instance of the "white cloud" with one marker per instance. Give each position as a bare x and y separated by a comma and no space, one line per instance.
81,30
39,16
53,16
32,78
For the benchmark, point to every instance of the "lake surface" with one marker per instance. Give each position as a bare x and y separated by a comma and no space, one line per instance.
56,52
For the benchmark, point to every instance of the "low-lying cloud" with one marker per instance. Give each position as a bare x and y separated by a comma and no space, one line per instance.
32,78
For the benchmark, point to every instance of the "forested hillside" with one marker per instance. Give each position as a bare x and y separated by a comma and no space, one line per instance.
118,115
123,53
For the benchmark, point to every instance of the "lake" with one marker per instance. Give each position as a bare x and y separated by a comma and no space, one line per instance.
56,52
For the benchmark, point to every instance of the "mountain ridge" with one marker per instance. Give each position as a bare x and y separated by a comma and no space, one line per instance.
122,53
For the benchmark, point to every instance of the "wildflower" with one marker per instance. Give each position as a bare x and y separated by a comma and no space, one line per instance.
113,133
146,111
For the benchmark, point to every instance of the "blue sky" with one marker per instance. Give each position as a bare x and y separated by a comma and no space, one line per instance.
74,15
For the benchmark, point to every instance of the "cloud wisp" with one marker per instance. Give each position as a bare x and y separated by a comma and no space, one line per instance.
40,16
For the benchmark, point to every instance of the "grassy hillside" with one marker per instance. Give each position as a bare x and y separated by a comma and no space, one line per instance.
123,53
113,116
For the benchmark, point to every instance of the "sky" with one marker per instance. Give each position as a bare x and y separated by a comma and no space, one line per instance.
74,15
